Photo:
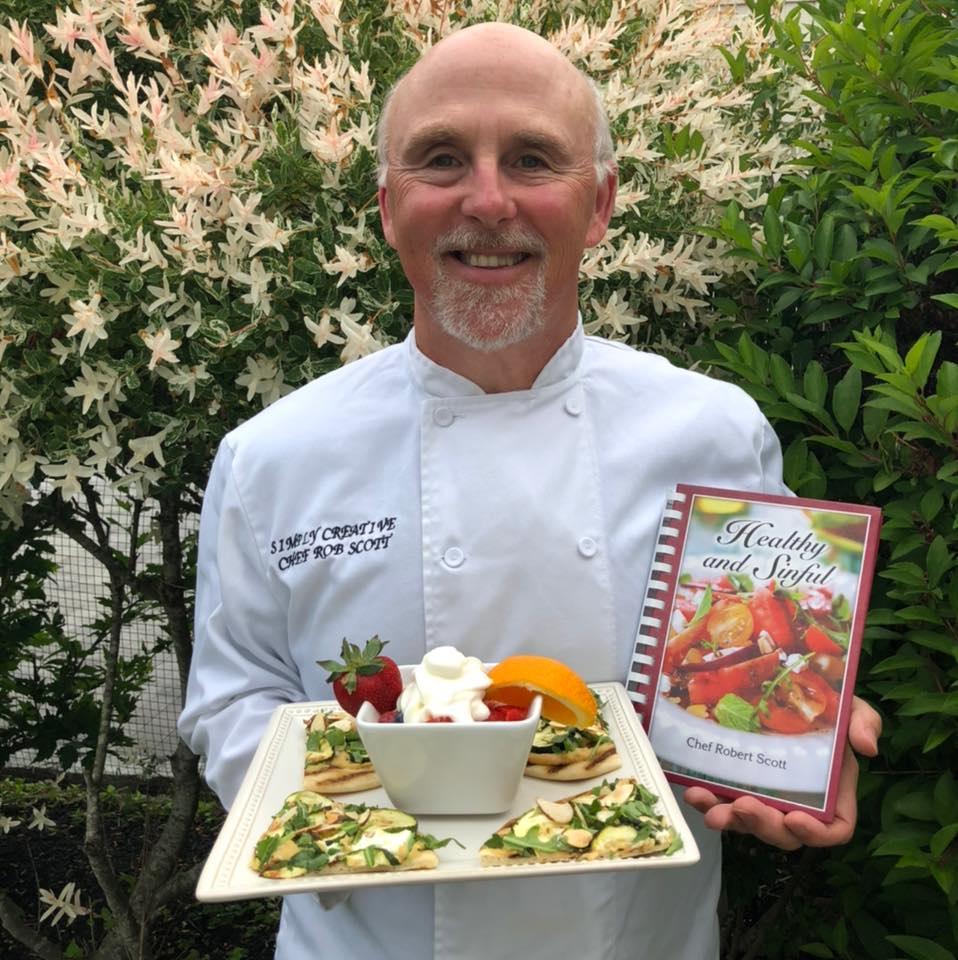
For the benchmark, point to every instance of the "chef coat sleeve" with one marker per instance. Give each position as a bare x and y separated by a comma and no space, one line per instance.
241,668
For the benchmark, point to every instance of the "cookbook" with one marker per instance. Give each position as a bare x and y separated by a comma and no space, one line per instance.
748,642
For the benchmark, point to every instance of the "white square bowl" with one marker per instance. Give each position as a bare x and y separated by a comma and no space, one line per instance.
449,768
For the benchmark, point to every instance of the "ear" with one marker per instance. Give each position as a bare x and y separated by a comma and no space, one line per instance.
386,217
604,208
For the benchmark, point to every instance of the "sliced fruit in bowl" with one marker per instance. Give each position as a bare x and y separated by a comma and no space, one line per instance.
566,698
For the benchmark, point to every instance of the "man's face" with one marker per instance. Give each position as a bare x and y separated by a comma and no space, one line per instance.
491,193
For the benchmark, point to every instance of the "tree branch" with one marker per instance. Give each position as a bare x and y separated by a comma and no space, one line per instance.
161,864
154,877
95,836
93,548
94,845
181,885
111,948
11,918
174,587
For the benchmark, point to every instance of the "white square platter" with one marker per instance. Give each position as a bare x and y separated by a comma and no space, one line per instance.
277,770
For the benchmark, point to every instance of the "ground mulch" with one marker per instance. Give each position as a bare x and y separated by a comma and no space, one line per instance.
52,857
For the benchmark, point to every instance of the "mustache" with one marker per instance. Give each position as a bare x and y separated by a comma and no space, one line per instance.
473,238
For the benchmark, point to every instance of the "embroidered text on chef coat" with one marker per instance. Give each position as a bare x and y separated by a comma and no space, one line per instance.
326,541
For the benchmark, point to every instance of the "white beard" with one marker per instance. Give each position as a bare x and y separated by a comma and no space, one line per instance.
488,318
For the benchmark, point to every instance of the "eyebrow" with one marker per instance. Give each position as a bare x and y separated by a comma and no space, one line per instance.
428,137
436,135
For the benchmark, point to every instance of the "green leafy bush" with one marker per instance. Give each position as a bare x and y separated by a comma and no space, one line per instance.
849,345
188,232
40,665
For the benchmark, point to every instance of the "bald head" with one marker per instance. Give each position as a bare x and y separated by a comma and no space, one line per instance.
493,47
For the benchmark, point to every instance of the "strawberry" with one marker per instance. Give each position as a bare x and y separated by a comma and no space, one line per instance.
502,711
364,675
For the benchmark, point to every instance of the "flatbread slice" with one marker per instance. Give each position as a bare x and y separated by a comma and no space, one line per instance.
616,820
560,752
314,834
336,759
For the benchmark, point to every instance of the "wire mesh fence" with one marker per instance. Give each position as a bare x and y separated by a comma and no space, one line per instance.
79,587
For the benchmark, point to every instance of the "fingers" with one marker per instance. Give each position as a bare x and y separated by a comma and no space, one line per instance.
790,830
864,727
701,798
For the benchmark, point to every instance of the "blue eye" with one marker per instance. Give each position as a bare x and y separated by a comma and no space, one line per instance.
442,161
529,161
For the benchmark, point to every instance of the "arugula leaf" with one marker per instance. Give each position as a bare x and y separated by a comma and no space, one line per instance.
314,859
600,741
572,738
634,811
588,811
641,808
266,847
705,604
736,713
369,855
429,842
300,819
356,748
531,841
741,581
793,594
335,737
783,676
841,608
647,796
838,637
645,829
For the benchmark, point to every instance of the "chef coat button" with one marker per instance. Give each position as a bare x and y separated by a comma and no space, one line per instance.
453,557
588,547
573,406
443,416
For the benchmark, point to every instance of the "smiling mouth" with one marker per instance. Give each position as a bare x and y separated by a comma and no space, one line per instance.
489,261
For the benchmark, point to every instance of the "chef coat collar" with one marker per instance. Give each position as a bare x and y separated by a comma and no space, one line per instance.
439,381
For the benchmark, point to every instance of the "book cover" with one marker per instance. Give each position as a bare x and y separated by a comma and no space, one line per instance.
744,665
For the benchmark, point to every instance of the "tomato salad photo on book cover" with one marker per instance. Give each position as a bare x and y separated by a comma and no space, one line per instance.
746,654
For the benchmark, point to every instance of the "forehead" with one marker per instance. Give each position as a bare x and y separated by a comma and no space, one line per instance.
532,100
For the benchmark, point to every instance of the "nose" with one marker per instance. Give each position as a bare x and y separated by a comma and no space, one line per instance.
487,198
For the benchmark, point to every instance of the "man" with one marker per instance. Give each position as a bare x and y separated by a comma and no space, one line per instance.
513,471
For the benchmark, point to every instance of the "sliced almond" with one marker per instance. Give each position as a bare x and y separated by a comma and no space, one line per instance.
316,722
345,724
621,793
577,838
557,812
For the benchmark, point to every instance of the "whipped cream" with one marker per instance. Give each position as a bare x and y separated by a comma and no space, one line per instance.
446,684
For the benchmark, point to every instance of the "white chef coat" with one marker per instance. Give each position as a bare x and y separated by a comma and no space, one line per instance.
394,497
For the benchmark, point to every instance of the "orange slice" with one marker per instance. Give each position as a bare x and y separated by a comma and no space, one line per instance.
565,696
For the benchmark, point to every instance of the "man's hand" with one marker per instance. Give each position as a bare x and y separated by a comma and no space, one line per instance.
795,828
